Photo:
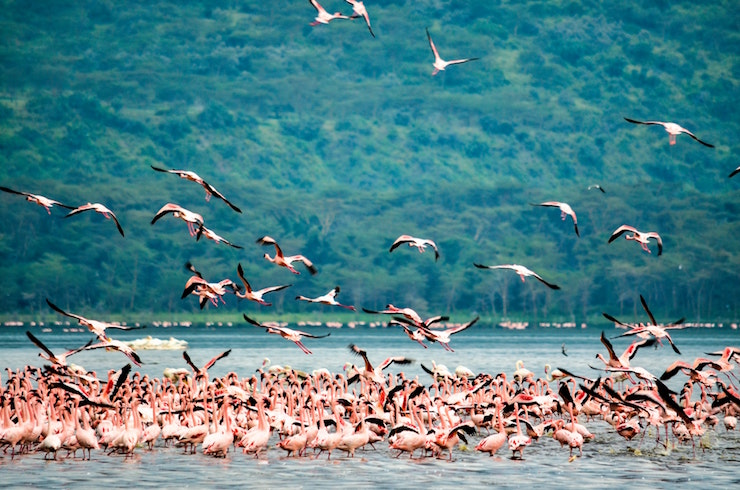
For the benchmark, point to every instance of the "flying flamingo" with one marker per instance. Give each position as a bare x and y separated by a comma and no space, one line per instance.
284,261
565,210
623,361
96,327
521,270
327,299
640,237
672,129
255,295
203,371
374,374
108,344
287,333
392,310
193,177
45,202
100,209
439,63
420,243
189,217
211,235
58,359
443,336
359,10
324,17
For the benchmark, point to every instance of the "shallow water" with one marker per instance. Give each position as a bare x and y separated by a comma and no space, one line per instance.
607,461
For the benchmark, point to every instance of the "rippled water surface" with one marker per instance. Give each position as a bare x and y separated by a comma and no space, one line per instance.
608,461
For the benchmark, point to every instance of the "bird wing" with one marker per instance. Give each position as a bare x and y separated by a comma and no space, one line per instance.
39,344
240,273
647,310
400,240
608,345
216,193
253,322
734,172
431,45
167,208
455,330
621,230
649,123
312,336
118,224
398,360
652,234
356,350
189,361
686,131
71,315
213,361
548,284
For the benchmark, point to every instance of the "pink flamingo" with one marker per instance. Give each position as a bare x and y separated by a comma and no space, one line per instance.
193,177
420,243
672,129
97,207
640,237
287,333
192,219
43,201
439,63
324,17
284,261
257,295
565,210
521,270
327,299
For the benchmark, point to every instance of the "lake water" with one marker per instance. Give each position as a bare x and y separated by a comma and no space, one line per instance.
608,461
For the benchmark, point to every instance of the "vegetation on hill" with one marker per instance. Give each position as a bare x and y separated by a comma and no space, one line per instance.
335,143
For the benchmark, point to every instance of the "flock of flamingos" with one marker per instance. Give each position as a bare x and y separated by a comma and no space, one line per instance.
61,410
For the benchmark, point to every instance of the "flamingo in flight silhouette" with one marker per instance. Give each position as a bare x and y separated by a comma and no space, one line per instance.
439,63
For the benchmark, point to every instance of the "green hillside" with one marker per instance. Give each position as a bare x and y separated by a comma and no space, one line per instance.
335,143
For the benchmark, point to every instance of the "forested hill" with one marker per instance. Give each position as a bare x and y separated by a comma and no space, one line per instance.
335,143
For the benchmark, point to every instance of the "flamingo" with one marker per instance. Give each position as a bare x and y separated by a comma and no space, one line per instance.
596,186
565,210
439,63
640,237
327,299
374,374
255,295
58,359
284,261
494,442
203,371
94,326
100,209
193,177
287,333
672,129
211,235
521,270
652,329
108,343
358,7
42,201
407,312
324,17
443,336
519,440
420,243
177,211
622,361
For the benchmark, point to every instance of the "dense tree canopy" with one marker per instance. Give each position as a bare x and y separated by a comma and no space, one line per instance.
335,143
